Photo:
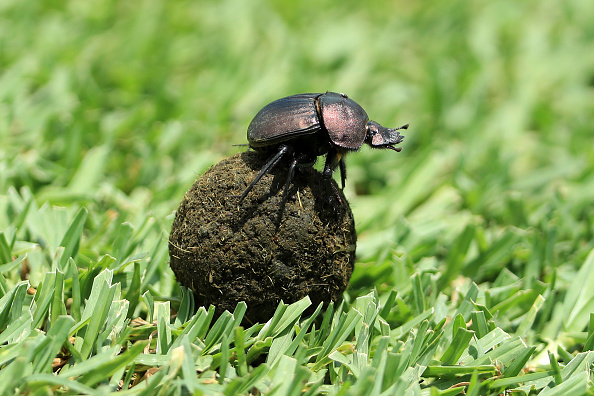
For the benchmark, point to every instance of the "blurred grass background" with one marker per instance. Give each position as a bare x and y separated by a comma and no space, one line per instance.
119,106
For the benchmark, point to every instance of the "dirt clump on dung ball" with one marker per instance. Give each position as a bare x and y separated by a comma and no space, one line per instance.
227,252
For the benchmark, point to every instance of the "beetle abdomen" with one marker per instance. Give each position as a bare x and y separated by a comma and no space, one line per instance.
284,119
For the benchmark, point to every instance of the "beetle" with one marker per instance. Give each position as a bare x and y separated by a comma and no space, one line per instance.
306,126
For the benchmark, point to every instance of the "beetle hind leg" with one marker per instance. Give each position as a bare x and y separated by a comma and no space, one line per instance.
267,168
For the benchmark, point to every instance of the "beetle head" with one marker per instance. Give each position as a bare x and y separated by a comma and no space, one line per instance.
381,137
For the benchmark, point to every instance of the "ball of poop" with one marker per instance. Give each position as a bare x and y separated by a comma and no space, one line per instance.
226,251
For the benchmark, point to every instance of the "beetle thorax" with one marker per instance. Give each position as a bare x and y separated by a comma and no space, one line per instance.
343,119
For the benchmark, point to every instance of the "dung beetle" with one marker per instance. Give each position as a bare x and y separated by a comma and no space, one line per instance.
308,125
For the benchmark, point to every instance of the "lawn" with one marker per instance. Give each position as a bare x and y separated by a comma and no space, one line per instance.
475,255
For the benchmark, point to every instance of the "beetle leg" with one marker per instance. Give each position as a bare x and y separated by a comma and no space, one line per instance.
332,159
342,171
336,195
286,190
267,168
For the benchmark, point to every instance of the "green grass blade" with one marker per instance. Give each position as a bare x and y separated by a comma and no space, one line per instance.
57,336
163,311
71,239
457,347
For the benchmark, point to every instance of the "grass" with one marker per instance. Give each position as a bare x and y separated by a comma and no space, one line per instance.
475,270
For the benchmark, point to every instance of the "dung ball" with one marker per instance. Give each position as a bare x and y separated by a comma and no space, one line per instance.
226,251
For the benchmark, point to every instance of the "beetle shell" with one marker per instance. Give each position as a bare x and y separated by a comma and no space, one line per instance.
304,114
284,119
344,120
